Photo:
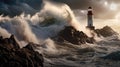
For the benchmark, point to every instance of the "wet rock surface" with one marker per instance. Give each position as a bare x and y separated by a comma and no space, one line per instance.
11,55
75,37
105,31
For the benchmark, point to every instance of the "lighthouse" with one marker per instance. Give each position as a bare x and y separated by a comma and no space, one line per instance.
90,19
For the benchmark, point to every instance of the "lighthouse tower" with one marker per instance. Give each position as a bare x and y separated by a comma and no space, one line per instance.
90,19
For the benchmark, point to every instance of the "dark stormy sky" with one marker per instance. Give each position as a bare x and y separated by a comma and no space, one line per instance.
105,9
16,7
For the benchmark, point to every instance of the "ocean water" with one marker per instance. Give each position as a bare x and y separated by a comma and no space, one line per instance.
43,27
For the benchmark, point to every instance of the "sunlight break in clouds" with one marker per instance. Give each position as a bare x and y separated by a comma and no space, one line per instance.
113,6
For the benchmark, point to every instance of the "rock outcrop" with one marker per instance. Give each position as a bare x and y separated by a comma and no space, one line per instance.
79,37
105,31
11,55
73,36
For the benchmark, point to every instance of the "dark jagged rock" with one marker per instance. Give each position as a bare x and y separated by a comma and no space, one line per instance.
73,36
11,55
105,31
113,56
13,41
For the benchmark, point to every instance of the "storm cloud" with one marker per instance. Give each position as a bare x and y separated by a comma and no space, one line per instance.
16,7
104,9
101,8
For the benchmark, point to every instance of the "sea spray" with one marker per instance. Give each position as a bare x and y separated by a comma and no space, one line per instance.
19,27
4,33
55,10
61,12
25,31
49,46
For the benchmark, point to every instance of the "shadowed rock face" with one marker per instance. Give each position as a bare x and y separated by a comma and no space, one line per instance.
73,36
105,31
11,55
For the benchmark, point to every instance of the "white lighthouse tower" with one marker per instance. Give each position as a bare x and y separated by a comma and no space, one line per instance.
90,19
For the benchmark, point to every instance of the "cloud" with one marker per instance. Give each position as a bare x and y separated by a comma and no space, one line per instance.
100,9
16,7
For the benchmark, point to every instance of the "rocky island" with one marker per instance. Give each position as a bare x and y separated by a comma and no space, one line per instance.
73,36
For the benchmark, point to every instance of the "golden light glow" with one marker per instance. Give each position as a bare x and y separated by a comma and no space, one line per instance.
117,17
106,3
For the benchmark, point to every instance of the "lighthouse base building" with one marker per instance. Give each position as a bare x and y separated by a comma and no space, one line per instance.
90,28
